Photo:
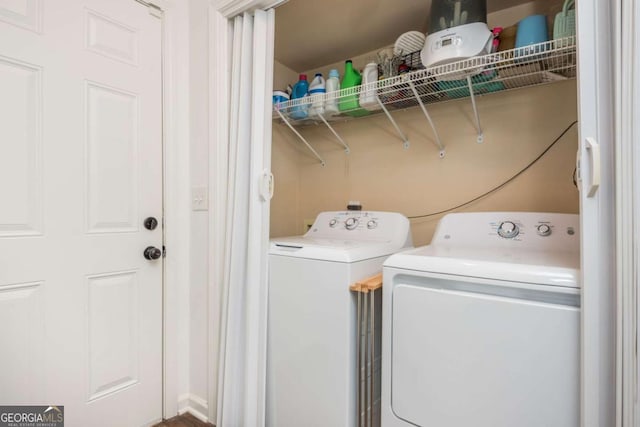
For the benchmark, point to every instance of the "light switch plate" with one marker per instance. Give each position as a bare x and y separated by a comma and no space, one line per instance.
199,199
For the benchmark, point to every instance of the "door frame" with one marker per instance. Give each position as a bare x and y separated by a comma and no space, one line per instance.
219,87
176,192
177,182
598,314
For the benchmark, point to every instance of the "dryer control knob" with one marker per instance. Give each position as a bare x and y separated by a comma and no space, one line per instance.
351,223
544,230
508,230
333,223
372,224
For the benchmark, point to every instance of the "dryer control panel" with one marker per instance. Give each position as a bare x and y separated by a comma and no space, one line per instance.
533,230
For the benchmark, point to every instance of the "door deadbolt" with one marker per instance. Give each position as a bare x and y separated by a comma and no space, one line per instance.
150,223
152,253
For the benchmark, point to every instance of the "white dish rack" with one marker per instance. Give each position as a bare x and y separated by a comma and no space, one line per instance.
528,66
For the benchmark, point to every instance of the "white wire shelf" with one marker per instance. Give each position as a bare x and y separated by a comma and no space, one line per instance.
528,66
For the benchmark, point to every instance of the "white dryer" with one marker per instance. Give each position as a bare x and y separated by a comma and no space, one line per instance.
311,347
481,327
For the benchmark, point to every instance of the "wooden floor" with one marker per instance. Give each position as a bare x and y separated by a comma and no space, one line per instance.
184,420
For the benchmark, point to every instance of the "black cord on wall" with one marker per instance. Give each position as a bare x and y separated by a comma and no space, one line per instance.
498,187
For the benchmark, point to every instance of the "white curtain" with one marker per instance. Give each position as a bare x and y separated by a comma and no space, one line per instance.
242,362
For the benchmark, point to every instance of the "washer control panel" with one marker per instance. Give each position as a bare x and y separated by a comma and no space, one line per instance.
508,229
518,229
367,225
351,223
537,231
544,230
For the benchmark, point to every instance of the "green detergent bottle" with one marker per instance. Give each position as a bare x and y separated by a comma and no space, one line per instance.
349,104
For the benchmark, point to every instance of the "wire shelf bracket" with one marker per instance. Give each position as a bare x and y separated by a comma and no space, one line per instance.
438,142
347,150
405,140
475,111
315,153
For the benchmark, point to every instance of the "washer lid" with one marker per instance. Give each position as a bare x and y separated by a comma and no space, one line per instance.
546,268
331,249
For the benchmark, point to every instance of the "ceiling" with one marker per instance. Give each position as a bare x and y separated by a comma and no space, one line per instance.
310,33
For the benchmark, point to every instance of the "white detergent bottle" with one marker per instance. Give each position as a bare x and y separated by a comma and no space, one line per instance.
369,95
333,91
317,90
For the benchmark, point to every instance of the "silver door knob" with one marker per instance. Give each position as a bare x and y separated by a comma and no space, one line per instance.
151,253
150,223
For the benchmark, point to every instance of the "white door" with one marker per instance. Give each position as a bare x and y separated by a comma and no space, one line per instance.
80,170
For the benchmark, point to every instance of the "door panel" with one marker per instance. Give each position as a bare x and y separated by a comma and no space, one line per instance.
22,346
23,13
80,169
20,168
112,158
111,38
113,333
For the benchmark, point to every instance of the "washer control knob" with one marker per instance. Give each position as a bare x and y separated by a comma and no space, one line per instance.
351,223
508,230
544,230
333,223
372,224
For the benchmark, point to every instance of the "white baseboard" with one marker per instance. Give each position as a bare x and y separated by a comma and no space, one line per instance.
194,405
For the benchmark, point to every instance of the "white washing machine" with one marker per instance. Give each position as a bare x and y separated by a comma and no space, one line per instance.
481,327
311,347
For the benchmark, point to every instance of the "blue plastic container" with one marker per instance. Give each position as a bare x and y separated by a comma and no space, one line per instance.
531,31
300,90
279,97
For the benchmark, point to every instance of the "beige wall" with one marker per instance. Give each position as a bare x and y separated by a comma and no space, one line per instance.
285,166
510,16
502,18
283,75
518,126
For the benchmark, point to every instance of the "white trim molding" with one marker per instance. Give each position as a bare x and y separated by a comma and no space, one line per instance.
231,8
177,222
219,86
194,405
160,4
627,199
